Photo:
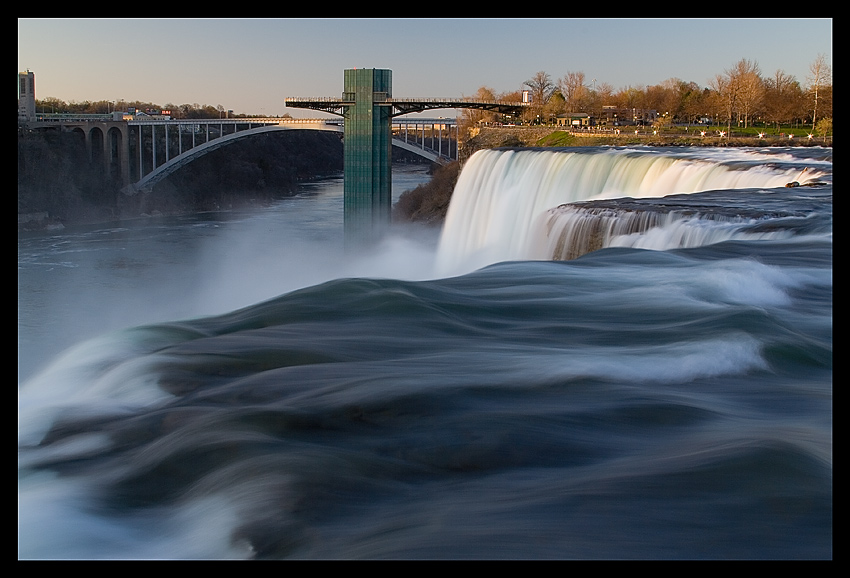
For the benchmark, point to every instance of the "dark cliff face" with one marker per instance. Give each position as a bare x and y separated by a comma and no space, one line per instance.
56,178
429,202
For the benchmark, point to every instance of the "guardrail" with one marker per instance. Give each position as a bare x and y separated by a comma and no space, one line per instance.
50,117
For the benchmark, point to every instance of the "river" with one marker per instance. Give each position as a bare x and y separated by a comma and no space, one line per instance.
604,354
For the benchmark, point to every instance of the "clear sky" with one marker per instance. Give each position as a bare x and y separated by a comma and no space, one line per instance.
252,65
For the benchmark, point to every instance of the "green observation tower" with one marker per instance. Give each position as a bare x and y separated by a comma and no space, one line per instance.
368,152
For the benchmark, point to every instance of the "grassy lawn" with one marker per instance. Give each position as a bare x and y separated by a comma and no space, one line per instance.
678,136
751,131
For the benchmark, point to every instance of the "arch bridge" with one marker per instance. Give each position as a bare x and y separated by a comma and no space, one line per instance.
433,139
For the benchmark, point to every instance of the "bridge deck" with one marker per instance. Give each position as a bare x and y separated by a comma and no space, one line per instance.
406,105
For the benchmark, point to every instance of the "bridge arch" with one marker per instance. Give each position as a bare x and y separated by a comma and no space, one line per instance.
96,142
149,180
116,150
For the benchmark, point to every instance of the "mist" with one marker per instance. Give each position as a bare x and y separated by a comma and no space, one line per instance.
99,279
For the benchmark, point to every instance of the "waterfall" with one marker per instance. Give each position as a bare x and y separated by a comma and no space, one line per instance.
571,231
500,206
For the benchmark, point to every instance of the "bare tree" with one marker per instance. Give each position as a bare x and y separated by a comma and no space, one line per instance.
820,76
574,91
664,98
725,97
782,98
601,95
630,98
738,91
749,87
541,88
691,102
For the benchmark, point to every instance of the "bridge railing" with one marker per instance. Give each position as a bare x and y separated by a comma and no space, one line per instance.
273,120
314,99
234,121
59,117
455,100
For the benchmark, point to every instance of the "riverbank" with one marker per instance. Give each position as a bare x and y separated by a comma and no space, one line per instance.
495,137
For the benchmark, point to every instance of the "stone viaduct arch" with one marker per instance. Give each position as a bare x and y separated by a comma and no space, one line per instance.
106,142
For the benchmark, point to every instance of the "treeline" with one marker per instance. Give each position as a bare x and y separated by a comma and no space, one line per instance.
189,111
741,96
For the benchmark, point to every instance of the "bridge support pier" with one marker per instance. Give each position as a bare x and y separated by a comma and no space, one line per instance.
367,153
111,146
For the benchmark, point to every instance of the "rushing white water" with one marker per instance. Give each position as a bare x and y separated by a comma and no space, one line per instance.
572,231
496,208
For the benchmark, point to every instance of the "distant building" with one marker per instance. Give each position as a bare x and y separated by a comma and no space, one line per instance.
619,116
26,96
150,114
574,119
